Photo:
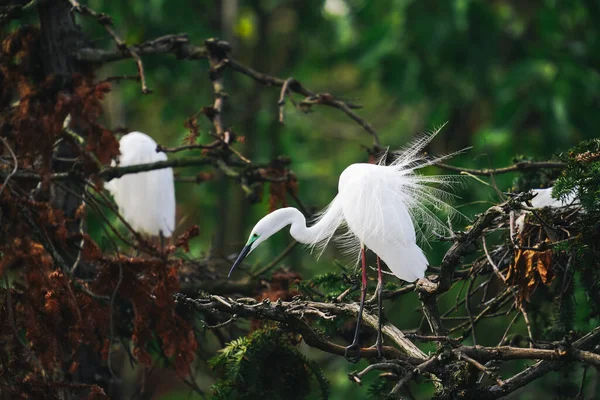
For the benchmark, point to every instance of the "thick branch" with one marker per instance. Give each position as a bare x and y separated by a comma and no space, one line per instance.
291,314
177,45
543,367
117,172
484,354
217,51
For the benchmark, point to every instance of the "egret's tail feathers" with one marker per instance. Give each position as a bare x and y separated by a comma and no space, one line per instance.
407,263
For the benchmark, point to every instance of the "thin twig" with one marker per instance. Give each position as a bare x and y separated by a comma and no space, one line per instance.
426,338
284,92
520,166
346,293
468,309
209,146
311,97
528,324
222,324
482,368
275,261
385,366
15,165
423,367
581,385
501,342
107,23
489,258
81,244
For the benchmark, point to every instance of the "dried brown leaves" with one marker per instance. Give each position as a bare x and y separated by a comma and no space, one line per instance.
529,269
533,257
57,312
149,284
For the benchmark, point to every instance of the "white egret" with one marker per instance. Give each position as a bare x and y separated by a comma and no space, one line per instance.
543,198
146,200
381,205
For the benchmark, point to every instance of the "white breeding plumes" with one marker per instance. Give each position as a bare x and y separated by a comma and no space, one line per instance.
146,199
384,208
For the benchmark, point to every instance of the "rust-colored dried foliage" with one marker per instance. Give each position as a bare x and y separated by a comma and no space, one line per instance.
279,287
54,313
285,181
183,241
533,265
35,123
529,269
149,284
194,131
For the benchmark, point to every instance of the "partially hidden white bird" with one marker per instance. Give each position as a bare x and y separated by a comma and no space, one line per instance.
146,200
383,207
543,198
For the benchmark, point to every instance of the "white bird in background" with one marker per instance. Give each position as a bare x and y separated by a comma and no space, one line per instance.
381,205
543,198
146,200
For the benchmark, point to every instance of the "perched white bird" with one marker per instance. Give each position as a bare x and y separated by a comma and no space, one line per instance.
146,199
381,205
544,198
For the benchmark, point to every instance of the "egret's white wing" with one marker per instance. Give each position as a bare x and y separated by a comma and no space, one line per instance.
376,211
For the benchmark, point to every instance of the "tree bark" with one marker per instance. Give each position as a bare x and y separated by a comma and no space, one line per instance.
60,38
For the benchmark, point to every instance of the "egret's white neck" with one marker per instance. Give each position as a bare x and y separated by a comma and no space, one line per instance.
291,216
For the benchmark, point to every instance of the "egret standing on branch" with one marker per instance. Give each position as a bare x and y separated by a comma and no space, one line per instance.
381,206
145,199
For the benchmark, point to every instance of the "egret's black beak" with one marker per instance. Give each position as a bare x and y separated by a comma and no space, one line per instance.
241,257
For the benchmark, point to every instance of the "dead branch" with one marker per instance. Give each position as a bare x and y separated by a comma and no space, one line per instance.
107,24
176,44
291,315
518,167
217,53
541,368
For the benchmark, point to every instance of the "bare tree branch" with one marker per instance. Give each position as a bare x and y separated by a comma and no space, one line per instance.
292,312
518,167
176,44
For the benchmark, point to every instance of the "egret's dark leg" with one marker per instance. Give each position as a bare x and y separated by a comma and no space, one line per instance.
354,347
379,342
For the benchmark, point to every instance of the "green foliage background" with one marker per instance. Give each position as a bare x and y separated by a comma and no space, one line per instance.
511,78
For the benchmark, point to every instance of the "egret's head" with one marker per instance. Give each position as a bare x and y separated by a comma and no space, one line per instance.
264,229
